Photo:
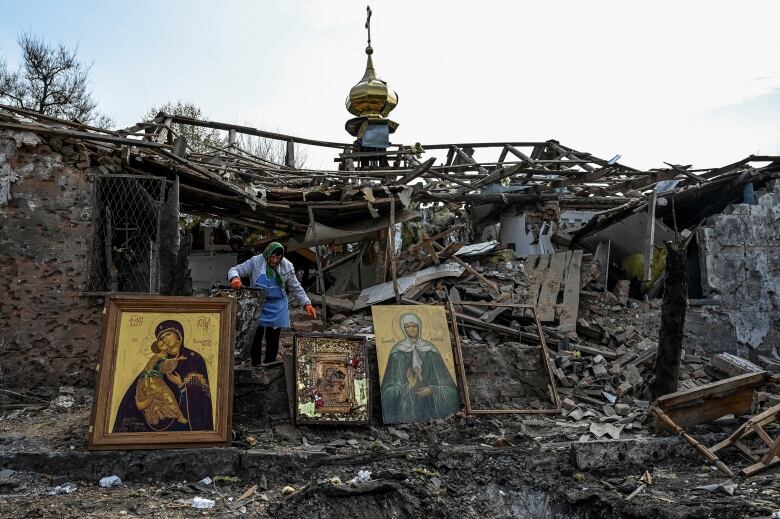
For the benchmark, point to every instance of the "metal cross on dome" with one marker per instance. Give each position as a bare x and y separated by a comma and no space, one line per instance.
368,23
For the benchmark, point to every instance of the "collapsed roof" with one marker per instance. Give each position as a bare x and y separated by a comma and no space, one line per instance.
232,184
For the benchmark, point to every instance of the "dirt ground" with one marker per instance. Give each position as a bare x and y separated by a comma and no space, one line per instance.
507,466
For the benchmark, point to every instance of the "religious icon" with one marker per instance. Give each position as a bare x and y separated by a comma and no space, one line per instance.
165,375
174,382
416,366
331,379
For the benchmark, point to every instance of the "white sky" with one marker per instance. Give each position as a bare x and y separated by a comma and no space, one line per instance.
686,82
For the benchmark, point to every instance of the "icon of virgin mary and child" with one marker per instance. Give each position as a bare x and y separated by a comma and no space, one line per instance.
417,386
172,392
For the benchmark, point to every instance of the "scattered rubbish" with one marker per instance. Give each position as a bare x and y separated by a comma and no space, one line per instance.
110,481
503,442
578,414
362,477
64,402
202,503
706,453
607,429
288,490
248,493
65,488
206,481
645,481
425,472
397,432
229,479
726,488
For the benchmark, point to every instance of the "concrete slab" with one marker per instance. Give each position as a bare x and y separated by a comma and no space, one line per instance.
604,454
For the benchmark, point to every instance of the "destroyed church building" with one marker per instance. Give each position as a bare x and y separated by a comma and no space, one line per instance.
85,212
556,273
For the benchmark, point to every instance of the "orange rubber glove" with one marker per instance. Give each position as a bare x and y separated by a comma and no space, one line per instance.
311,311
236,283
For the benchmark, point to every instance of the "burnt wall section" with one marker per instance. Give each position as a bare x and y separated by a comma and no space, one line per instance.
740,264
49,331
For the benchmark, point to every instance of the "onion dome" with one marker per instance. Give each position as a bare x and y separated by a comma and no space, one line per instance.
371,97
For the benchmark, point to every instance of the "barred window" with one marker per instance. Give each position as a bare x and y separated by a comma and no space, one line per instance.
126,226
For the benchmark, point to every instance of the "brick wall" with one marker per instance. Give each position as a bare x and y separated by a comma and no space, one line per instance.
49,331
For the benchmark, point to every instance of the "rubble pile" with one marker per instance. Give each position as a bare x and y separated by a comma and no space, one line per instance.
603,369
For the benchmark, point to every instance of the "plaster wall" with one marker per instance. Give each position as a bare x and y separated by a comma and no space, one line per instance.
740,265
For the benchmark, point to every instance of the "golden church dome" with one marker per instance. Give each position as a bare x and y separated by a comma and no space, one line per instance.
371,97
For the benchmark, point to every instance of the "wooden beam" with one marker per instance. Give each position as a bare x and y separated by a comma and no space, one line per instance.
391,250
465,157
571,294
191,121
569,154
551,285
417,171
491,287
320,277
650,237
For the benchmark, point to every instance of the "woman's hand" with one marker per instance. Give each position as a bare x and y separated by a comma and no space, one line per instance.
176,379
309,310
424,391
236,283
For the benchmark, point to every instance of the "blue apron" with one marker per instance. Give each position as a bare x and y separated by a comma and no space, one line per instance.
275,312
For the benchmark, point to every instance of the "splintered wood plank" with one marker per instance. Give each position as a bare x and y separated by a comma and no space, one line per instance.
571,294
710,401
490,315
548,294
536,274
428,248
758,467
764,436
720,388
737,403
774,451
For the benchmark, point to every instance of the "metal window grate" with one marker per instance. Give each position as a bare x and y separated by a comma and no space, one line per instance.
125,245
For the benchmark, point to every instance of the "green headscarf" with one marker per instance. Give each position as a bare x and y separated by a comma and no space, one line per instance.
272,273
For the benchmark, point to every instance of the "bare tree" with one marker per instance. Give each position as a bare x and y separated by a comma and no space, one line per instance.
209,140
199,139
270,149
51,81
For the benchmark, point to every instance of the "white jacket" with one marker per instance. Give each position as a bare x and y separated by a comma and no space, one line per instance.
255,265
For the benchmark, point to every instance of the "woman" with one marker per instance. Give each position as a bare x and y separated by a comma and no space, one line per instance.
188,382
275,274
